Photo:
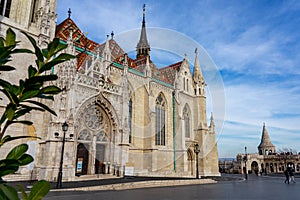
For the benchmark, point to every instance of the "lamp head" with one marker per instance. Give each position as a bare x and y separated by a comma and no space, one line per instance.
196,148
65,126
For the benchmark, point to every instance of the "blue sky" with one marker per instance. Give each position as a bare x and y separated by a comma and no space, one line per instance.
254,44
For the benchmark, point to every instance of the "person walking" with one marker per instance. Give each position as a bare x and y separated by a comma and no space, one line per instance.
287,177
292,176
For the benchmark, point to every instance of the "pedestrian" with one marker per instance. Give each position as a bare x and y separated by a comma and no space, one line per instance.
292,176
287,177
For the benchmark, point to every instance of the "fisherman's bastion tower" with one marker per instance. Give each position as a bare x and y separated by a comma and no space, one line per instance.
124,114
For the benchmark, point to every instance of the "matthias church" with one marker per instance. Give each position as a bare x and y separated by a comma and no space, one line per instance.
124,114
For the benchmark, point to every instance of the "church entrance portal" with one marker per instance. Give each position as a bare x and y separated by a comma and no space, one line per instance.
94,128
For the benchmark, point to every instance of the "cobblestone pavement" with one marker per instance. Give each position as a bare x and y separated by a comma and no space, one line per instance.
227,187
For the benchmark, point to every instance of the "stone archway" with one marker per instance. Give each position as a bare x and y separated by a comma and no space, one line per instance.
190,159
95,127
254,167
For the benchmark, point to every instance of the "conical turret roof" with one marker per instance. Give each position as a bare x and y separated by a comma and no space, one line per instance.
265,139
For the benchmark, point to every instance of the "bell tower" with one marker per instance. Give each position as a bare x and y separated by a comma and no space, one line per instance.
143,47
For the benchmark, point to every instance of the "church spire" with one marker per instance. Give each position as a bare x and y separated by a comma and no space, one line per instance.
198,77
143,47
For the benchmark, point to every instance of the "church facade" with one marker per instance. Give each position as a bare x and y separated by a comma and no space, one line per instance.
125,115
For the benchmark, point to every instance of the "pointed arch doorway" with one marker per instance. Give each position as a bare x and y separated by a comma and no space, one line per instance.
95,127
191,163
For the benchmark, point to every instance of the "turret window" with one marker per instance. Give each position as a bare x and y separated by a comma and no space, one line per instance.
160,121
5,7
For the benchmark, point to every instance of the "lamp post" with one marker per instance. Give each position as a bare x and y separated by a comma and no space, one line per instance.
196,150
59,177
246,174
108,167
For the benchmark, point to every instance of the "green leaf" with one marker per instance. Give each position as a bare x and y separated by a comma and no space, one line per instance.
31,71
38,52
39,190
50,90
30,108
61,58
10,92
25,159
41,105
6,68
48,97
8,166
52,48
1,42
8,138
24,195
40,79
22,51
25,122
17,152
10,111
21,112
29,94
10,37
9,192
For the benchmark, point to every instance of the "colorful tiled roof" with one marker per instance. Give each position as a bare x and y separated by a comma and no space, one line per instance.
168,73
88,47
81,41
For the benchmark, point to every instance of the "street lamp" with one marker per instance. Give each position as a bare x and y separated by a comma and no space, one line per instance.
59,177
196,150
246,174
108,167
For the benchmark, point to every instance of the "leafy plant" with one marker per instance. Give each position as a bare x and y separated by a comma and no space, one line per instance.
24,98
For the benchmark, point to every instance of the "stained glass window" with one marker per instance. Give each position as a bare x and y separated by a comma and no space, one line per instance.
186,119
160,125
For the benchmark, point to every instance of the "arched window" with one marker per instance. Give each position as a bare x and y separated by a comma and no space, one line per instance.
187,85
5,7
130,120
186,119
160,121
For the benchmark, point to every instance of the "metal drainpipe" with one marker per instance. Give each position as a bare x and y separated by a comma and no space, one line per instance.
174,130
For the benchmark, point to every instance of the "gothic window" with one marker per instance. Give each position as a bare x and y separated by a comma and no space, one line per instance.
130,120
84,135
160,125
183,83
93,118
186,119
34,10
187,84
101,137
5,7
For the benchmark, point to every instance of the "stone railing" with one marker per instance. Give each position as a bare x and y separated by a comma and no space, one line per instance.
87,80
98,83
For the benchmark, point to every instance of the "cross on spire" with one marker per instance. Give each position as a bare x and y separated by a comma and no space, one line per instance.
69,13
